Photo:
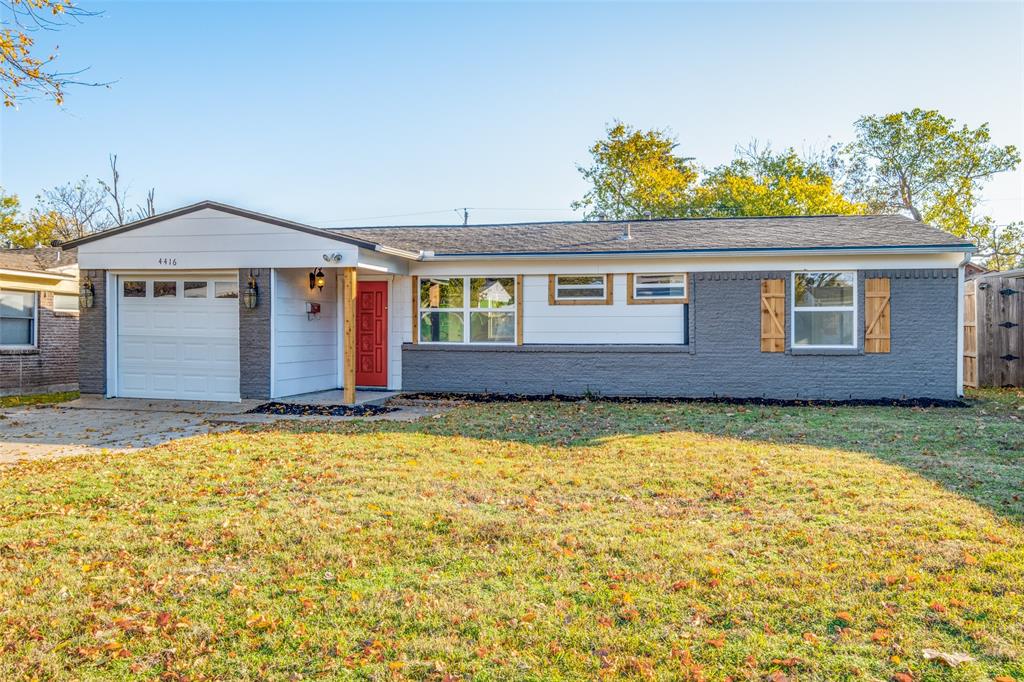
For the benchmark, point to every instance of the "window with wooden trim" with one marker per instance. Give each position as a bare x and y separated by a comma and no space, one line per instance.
468,309
580,289
18,319
657,288
824,311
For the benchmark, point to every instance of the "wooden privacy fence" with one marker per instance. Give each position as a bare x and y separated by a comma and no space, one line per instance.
994,330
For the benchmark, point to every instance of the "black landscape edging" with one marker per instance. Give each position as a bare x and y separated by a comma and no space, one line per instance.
773,402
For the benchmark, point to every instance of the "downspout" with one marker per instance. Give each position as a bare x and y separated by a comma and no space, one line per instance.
960,324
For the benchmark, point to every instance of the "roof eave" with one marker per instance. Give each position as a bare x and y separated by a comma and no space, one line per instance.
225,208
742,251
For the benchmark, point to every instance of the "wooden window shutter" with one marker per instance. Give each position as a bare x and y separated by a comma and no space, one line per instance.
415,309
876,315
773,315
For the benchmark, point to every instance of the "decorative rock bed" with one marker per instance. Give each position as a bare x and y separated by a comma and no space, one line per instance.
299,410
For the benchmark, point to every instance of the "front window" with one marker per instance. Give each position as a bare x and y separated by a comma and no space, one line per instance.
824,309
467,309
17,318
65,303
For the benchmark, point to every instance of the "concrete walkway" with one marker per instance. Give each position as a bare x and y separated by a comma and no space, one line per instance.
92,424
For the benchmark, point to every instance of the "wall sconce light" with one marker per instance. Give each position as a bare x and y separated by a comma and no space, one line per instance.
87,293
317,279
251,296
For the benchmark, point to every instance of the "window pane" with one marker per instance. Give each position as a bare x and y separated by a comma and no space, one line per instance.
492,292
16,332
65,303
195,289
823,328
134,289
492,327
225,290
659,292
659,279
165,289
17,304
824,289
585,280
440,293
441,327
580,293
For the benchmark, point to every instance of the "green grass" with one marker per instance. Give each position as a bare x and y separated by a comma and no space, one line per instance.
37,399
532,541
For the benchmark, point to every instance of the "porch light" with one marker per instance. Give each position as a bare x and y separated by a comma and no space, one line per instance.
317,279
251,295
87,293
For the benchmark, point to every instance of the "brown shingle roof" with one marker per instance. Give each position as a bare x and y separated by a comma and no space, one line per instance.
36,260
684,235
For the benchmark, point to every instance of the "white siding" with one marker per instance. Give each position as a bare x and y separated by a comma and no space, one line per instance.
213,239
305,351
616,323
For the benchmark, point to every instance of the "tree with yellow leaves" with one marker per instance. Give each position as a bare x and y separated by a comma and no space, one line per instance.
24,72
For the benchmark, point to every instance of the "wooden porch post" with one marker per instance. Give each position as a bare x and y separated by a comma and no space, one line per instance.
348,298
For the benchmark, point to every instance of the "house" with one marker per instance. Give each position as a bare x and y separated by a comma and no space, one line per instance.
215,302
38,321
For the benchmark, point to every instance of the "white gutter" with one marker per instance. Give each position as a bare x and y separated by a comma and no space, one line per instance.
402,253
428,256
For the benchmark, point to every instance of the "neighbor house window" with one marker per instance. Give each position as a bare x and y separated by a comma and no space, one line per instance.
663,288
824,309
580,289
65,303
467,309
18,318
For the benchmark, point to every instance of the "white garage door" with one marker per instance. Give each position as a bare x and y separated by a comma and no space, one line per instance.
177,337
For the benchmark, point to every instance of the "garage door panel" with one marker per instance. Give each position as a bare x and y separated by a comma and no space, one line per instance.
178,347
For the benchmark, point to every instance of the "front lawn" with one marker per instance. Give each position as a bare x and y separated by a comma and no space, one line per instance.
531,541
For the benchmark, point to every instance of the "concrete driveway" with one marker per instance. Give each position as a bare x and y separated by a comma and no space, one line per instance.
91,425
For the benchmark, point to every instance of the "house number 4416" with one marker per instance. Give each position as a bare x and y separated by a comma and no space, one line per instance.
167,261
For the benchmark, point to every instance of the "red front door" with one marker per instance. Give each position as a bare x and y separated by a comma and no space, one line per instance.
372,334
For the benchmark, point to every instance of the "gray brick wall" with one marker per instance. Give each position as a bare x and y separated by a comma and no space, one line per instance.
254,337
724,358
92,338
53,364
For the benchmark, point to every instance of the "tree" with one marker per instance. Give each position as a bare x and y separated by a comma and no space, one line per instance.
921,163
119,212
73,209
760,182
635,174
1002,247
23,72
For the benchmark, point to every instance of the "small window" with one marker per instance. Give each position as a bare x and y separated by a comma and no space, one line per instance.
824,309
569,289
666,288
225,290
17,318
134,288
165,289
195,289
65,303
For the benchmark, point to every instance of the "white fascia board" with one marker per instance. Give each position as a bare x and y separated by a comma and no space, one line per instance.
49,276
812,260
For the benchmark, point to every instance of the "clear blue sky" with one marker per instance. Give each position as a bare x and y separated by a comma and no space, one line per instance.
331,113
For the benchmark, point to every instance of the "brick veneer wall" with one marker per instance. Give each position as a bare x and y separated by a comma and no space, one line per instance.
92,338
723,357
254,337
53,364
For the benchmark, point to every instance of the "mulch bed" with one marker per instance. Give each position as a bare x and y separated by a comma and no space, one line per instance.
518,398
294,409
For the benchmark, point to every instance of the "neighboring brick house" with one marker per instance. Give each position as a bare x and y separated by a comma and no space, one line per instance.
38,321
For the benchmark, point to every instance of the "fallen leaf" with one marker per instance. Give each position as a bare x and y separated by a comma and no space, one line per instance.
903,677
845,617
810,638
952,660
